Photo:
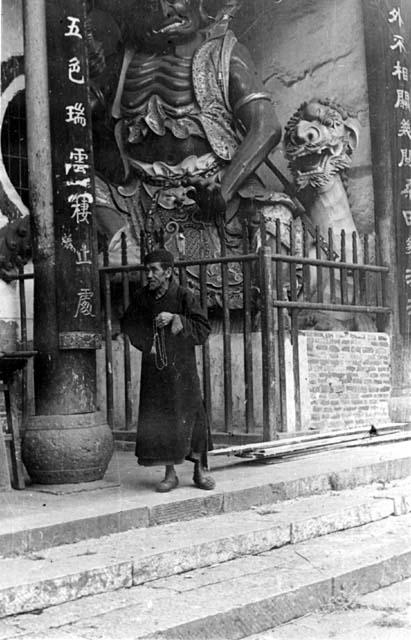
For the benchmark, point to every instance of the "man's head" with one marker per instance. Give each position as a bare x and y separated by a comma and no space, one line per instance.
159,270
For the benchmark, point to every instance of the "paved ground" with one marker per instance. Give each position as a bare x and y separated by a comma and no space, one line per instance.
126,500
257,586
382,615
127,486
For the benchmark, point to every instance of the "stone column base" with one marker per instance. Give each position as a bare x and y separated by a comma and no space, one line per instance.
66,449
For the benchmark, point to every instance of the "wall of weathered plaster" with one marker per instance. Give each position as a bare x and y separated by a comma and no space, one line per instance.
217,382
314,48
345,380
12,28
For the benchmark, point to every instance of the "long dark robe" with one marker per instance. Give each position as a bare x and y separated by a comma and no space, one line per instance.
172,423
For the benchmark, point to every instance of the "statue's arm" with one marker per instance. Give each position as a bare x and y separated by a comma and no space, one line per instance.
256,118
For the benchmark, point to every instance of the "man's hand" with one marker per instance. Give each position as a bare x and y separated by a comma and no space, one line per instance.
164,318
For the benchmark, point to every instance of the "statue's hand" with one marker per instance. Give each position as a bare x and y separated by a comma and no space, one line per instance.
207,194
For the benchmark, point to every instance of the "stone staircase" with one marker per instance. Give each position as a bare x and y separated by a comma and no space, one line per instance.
223,576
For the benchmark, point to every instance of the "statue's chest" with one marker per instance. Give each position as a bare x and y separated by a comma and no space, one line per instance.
166,76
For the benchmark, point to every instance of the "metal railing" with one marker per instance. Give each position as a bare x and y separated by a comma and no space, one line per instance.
313,279
316,278
341,286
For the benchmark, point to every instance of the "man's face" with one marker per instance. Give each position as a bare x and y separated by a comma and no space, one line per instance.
157,277
163,21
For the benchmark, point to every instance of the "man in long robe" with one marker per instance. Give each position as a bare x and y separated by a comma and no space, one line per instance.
166,322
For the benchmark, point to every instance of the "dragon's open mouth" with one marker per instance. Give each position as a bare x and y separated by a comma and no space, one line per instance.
312,162
175,25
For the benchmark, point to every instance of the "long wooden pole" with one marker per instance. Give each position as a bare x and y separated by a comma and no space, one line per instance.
40,176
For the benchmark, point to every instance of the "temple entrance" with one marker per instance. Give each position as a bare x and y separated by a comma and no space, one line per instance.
256,366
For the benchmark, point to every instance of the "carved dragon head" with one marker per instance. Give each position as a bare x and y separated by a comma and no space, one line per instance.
319,141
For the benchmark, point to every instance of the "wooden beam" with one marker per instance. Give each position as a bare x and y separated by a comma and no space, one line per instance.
260,446
340,443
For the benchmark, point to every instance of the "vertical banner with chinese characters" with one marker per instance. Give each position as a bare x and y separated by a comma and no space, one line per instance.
387,25
73,180
399,88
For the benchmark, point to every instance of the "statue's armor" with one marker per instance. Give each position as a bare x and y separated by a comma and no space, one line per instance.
164,101
159,111
175,124
167,76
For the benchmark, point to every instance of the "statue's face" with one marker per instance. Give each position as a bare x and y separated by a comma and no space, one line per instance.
162,22
319,141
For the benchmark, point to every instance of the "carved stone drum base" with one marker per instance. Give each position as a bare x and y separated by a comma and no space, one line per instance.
67,449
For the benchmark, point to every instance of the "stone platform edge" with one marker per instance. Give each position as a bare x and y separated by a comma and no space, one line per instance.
60,581
263,615
27,540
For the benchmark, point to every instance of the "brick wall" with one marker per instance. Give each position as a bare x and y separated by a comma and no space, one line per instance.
345,380
348,378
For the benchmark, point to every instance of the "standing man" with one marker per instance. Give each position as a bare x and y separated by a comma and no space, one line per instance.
165,322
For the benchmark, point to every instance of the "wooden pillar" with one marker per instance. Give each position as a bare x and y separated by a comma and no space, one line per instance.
271,400
67,440
4,466
387,25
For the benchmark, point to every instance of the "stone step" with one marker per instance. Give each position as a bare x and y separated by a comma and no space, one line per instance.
31,521
384,614
59,574
238,598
